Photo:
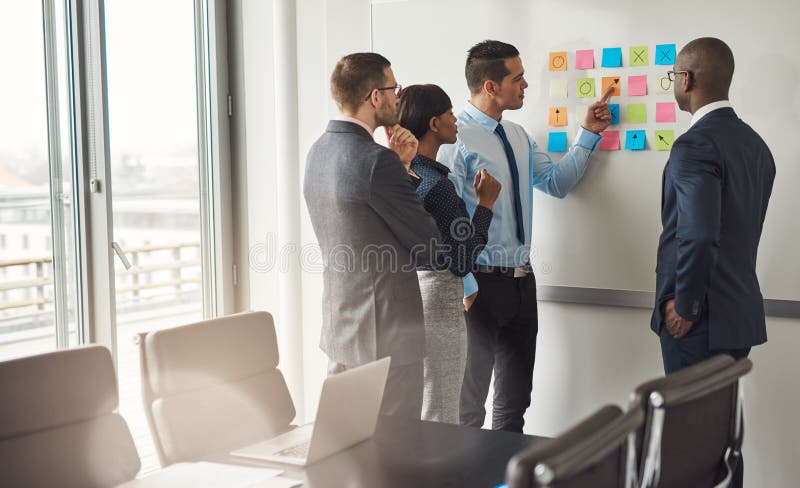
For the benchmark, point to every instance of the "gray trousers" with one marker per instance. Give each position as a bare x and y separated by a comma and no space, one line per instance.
402,396
445,344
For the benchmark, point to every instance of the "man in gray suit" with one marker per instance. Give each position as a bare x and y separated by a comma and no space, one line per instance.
372,231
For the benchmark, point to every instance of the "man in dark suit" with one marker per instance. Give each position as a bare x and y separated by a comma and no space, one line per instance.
372,231
716,188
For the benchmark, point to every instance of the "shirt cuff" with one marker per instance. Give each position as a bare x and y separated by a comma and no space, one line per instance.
587,139
470,284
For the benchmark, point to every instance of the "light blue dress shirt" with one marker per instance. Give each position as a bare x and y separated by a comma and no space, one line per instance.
477,148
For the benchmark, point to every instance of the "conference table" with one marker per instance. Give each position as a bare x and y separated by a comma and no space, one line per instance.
413,453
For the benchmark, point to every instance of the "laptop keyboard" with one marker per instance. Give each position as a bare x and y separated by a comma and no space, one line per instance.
299,451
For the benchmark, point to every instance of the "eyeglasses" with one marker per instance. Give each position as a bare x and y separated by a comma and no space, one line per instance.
396,89
671,74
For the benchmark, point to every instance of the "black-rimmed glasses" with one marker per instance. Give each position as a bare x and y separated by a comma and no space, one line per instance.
671,74
395,89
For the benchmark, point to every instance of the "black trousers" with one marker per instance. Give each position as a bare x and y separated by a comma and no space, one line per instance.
692,349
501,336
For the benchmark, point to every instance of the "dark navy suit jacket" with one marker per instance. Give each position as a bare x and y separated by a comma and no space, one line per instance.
715,191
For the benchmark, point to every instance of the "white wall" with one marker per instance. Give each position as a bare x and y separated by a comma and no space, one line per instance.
586,356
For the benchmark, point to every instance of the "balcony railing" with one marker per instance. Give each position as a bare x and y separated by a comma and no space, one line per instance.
160,277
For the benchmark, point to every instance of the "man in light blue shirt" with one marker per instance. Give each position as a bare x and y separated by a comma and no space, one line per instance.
502,320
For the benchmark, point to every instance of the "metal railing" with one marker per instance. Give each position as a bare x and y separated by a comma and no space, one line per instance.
160,276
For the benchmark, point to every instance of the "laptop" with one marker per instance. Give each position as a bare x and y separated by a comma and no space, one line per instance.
347,414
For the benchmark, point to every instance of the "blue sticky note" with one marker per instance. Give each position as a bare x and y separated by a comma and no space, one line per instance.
665,54
557,142
614,108
501,485
612,57
635,140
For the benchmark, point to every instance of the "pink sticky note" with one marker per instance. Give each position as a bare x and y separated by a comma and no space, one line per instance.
584,59
610,140
665,112
637,86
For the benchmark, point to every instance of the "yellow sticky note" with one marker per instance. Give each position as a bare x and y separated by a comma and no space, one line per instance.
558,116
558,61
663,85
614,81
636,113
558,88
664,139
580,113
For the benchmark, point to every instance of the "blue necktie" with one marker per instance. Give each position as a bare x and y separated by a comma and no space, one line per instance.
512,165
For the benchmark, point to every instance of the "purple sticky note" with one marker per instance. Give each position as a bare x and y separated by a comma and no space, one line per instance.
584,59
637,86
610,140
665,112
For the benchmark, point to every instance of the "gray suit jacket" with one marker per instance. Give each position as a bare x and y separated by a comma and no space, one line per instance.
372,231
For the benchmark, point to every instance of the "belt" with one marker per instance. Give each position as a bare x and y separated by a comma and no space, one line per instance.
507,271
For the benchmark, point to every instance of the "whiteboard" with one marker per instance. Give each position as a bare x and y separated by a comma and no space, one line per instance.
604,234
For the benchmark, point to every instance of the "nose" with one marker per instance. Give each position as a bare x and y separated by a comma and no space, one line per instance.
524,83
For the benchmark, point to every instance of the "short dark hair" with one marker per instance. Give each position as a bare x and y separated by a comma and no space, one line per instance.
418,103
354,76
711,62
486,61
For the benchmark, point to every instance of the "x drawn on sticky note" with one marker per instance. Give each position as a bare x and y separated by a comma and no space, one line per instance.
558,116
635,140
585,87
664,140
614,109
665,54
665,111
638,56
614,81
663,85
612,57
637,86
558,88
584,59
558,61
636,113
609,140
557,142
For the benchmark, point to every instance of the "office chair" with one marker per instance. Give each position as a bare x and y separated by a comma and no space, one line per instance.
693,425
213,386
58,422
599,452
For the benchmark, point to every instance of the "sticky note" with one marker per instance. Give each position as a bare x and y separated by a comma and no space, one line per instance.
663,85
665,54
635,140
638,56
558,116
609,140
637,86
665,112
614,81
585,87
557,142
580,113
636,113
612,57
664,139
558,61
584,59
558,88
614,109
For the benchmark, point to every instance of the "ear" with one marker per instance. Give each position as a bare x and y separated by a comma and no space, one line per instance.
374,97
490,87
433,124
689,82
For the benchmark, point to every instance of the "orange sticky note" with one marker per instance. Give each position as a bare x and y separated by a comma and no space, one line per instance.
558,61
614,81
558,116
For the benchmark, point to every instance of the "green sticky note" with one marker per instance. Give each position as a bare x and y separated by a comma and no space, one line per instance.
638,56
636,113
664,139
585,88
